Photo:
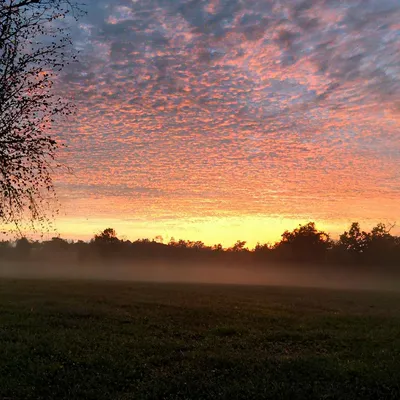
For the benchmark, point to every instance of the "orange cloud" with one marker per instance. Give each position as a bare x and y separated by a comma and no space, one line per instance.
269,111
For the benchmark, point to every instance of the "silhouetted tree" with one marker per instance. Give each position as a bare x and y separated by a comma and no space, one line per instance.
305,243
381,245
217,247
108,236
262,252
238,246
34,47
81,250
107,243
5,249
381,232
158,239
354,241
23,248
56,244
183,244
260,248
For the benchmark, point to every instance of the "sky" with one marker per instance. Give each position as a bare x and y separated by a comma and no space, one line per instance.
219,120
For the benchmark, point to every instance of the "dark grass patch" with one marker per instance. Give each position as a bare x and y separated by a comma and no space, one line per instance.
85,340
225,331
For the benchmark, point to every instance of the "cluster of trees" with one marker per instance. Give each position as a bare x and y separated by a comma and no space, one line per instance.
305,244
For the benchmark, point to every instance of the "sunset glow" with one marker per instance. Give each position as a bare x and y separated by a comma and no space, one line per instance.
225,120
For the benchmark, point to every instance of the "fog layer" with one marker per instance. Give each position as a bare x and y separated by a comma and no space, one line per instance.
282,275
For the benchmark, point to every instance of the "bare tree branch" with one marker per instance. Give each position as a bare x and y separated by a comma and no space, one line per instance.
33,50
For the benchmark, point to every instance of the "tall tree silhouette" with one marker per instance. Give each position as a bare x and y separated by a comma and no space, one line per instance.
381,245
305,243
355,241
107,243
35,45
108,236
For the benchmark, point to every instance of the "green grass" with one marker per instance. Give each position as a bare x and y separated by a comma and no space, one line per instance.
100,340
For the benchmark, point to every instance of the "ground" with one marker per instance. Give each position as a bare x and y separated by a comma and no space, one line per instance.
103,340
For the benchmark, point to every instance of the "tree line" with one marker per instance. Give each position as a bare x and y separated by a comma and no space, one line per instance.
305,244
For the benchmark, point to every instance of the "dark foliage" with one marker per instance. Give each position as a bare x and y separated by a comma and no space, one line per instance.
35,46
305,245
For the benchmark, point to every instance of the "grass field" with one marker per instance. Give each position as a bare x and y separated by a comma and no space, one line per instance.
101,340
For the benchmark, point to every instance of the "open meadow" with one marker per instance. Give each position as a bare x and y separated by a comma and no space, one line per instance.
113,340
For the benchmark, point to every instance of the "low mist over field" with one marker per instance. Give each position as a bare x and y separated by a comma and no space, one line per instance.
279,275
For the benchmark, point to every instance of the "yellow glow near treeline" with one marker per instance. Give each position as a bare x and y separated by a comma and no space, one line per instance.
226,230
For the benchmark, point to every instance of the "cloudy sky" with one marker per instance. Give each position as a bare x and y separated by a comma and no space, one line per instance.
220,120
